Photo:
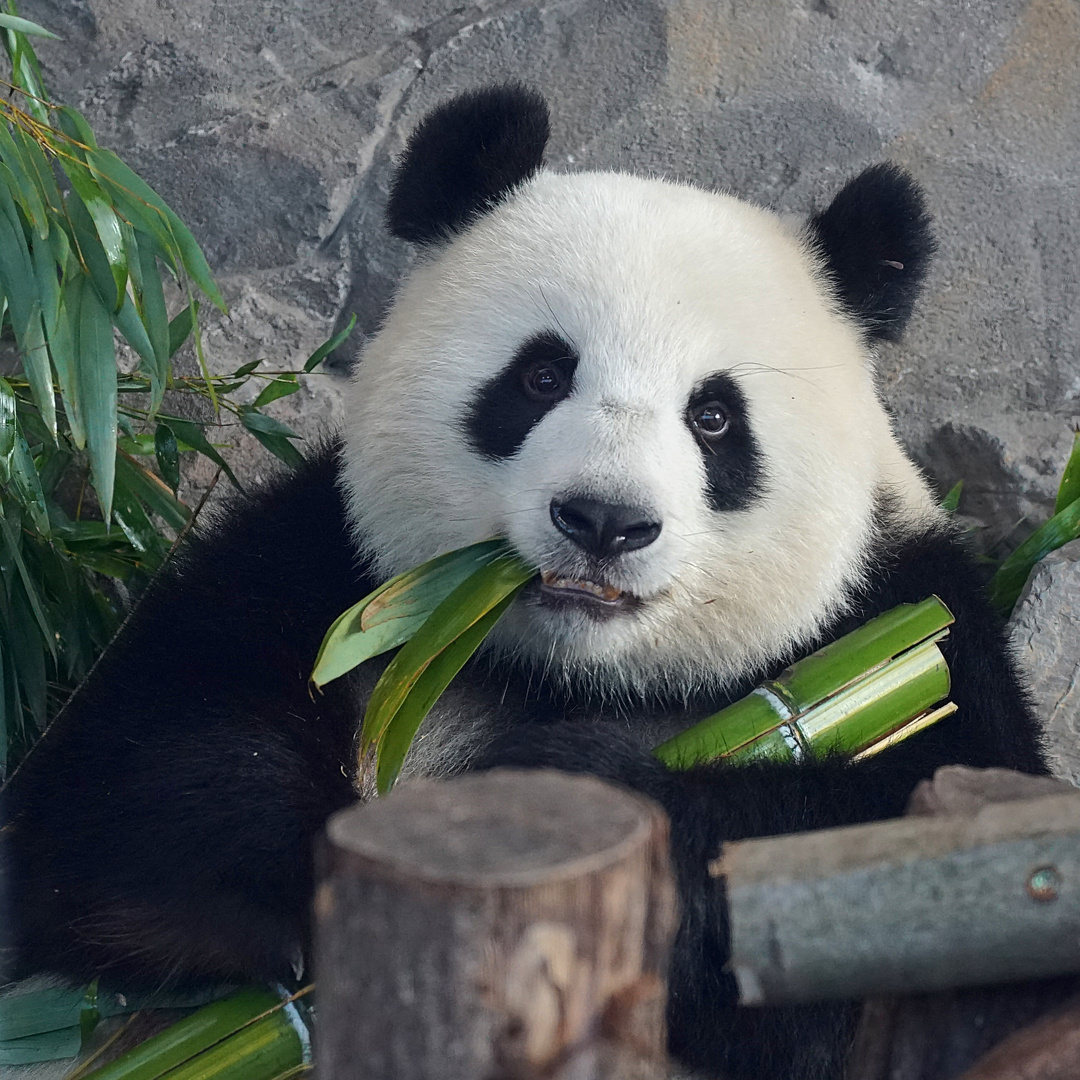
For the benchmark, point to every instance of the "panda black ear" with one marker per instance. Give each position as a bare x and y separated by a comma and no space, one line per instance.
877,244
464,158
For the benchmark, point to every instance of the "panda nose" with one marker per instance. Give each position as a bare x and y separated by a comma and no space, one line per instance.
604,529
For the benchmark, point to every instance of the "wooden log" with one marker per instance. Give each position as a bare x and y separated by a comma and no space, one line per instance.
1049,1049
937,1036
907,906
495,927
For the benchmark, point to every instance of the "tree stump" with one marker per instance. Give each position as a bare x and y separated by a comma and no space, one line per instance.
502,926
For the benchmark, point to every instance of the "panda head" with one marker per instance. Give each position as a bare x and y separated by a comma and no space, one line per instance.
662,396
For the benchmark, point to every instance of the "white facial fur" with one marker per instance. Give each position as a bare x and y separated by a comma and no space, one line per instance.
657,286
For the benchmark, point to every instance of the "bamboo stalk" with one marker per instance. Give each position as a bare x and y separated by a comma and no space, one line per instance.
248,1036
866,690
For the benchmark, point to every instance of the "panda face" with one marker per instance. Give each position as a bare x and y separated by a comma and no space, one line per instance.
649,390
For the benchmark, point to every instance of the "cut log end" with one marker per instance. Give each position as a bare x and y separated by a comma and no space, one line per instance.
502,925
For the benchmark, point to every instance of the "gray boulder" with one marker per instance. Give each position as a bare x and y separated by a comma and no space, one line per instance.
1045,630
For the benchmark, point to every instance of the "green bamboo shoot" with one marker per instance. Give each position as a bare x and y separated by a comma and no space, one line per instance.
253,1035
845,698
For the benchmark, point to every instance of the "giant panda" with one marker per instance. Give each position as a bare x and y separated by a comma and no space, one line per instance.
664,398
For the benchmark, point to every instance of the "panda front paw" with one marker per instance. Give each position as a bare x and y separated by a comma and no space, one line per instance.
585,748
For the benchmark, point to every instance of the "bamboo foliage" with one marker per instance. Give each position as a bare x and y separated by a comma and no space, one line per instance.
92,257
250,1034
1064,527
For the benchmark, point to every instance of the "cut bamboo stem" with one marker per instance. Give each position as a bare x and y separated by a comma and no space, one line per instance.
511,924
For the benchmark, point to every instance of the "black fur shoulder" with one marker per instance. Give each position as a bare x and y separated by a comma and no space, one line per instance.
202,706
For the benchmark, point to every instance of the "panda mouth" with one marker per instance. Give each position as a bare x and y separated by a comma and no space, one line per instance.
582,591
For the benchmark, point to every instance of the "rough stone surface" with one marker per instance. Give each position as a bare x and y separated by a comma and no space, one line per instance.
271,126
1045,630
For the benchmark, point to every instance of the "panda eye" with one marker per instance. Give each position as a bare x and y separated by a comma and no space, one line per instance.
709,420
543,382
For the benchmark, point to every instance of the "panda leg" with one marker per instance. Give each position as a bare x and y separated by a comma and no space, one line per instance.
188,858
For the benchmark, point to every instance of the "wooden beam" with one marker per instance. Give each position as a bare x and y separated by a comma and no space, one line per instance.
907,906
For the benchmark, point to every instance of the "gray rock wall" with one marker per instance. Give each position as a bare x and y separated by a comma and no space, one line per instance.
271,125
1045,631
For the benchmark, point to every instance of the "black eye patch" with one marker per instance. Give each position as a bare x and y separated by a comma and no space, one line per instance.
509,406
718,418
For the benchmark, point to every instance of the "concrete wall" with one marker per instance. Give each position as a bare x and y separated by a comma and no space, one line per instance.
271,125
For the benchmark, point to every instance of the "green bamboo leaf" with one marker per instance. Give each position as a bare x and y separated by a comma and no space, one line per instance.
8,429
279,387
1069,489
131,190
47,280
39,169
152,294
281,448
131,247
64,346
29,193
96,374
152,491
952,499
141,444
29,653
389,616
33,1009
11,545
18,284
196,335
327,347
246,369
16,271
24,476
192,434
35,360
47,1046
167,452
257,422
155,315
25,26
108,226
74,125
26,72
135,524
130,325
180,327
30,1011
89,1014
467,604
107,269
432,681
1007,584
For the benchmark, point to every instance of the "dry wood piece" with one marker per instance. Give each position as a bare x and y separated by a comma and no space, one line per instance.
1049,1049
937,1036
495,927
907,906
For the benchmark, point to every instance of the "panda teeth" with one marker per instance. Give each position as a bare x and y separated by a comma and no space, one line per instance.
607,593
